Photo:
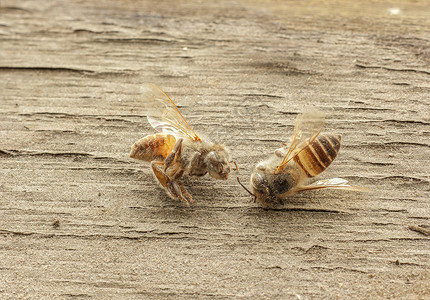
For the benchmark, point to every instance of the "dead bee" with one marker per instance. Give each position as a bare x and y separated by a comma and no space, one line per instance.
176,150
288,170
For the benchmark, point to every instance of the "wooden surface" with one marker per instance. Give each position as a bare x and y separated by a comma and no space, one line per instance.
80,219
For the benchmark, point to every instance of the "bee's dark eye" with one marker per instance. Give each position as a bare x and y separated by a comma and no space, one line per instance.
258,181
213,163
218,167
282,183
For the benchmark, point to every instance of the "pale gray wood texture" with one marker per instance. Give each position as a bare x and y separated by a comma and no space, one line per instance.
80,219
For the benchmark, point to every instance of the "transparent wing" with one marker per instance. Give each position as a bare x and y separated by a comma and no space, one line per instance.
308,126
163,115
333,183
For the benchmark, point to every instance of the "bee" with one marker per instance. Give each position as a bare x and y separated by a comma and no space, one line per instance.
288,171
176,149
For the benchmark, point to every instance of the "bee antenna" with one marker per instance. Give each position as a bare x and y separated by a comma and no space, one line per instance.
237,168
255,197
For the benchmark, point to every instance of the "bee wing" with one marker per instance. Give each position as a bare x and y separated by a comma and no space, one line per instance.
333,183
163,115
308,126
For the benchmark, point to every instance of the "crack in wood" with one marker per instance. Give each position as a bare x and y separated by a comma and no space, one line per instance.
363,66
420,229
47,69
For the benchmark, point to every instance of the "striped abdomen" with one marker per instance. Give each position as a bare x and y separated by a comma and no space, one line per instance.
153,147
319,154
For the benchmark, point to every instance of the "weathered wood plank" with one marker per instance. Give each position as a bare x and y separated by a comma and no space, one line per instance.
81,219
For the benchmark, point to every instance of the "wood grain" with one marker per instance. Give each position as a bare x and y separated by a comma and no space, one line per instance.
80,219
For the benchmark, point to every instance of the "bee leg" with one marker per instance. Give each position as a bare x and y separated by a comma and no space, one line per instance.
174,155
158,169
186,194
279,153
175,189
169,171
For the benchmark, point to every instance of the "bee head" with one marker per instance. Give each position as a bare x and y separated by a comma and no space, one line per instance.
260,187
267,186
218,163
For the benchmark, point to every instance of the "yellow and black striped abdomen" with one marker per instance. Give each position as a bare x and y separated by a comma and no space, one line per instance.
319,154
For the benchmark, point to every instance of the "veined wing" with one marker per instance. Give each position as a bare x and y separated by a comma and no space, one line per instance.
333,183
308,126
163,115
